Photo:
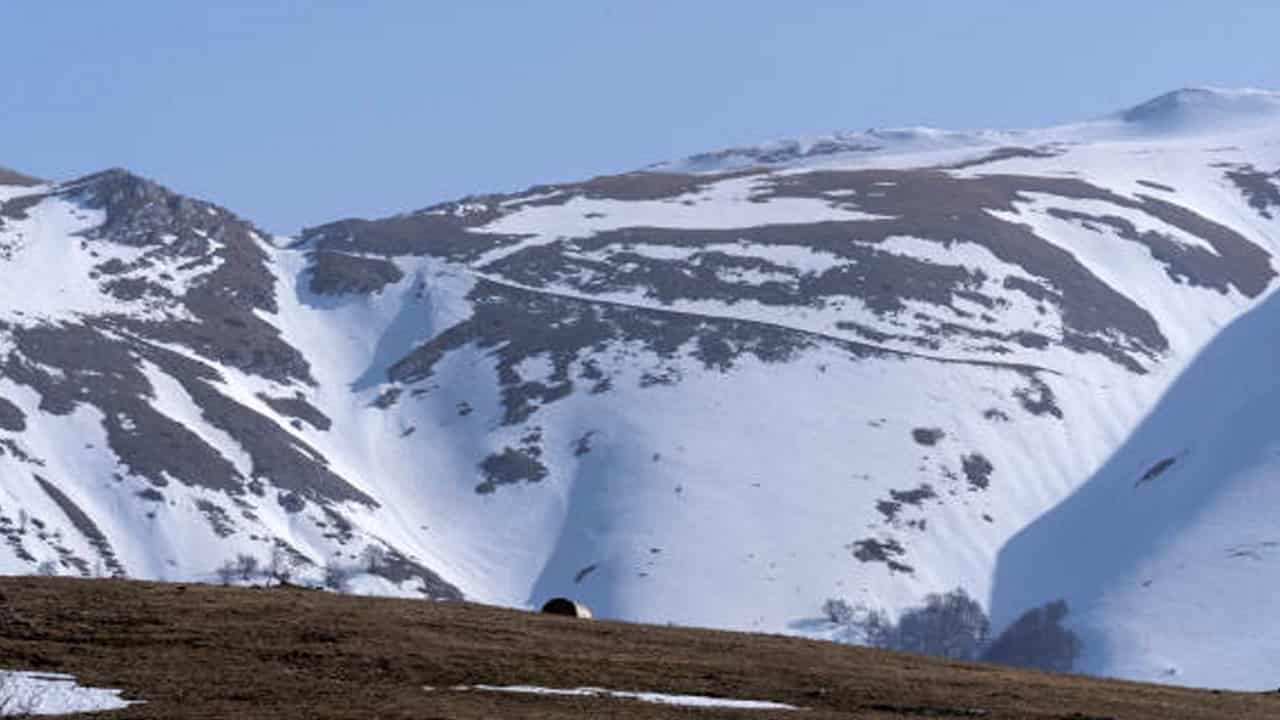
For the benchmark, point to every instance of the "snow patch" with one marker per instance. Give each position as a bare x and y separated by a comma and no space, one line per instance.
723,206
25,693
701,701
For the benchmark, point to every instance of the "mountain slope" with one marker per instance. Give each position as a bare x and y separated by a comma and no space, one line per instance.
1177,530
715,392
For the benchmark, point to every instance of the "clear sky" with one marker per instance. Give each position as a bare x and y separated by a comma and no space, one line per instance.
297,113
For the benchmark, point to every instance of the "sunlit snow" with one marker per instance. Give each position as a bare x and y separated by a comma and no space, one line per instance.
31,693
702,701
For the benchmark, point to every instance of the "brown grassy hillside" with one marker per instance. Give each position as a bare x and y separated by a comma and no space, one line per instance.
207,652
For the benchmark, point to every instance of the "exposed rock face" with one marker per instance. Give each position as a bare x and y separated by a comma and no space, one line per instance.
336,273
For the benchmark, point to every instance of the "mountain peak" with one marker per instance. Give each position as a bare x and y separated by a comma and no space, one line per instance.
1202,108
13,177
124,194
115,177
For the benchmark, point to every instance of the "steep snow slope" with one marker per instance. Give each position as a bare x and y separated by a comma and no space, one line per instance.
1170,554
716,392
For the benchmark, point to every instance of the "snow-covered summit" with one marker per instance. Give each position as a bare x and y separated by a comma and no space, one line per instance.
1206,110
866,146
1185,111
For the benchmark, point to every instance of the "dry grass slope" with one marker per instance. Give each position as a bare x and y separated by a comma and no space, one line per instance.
207,652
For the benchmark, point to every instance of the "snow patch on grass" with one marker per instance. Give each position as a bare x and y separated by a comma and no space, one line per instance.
29,693
649,697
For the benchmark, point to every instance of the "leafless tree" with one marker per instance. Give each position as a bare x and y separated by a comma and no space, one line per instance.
860,624
876,629
951,625
280,567
838,611
227,572
336,577
246,566
374,556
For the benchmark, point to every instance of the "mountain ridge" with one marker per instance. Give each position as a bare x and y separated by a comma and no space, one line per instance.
1249,101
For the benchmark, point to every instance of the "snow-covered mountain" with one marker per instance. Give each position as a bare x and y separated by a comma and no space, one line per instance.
717,391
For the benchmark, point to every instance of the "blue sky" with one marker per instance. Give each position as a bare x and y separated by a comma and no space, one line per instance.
296,113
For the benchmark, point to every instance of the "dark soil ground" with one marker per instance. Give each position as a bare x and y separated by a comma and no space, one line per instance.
194,651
